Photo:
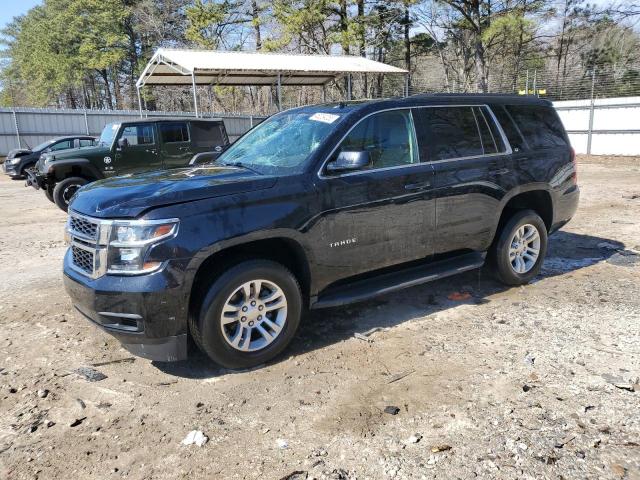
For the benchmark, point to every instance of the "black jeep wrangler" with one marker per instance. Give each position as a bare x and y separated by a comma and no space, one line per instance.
126,148
317,207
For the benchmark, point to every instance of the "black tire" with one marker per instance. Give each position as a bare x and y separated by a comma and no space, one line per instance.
206,325
48,192
64,190
499,254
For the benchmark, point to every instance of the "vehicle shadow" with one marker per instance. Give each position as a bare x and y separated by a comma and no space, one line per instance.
568,252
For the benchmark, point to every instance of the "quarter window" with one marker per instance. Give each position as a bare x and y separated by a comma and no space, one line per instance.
388,138
138,134
208,134
540,126
86,142
174,132
510,130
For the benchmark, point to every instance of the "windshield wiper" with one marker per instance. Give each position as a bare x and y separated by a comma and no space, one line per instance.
241,165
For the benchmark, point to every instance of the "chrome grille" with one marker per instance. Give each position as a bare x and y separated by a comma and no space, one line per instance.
83,259
83,227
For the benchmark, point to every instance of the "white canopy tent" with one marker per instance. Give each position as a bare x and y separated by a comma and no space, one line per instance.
208,68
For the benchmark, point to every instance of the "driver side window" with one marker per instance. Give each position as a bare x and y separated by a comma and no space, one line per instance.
138,134
388,137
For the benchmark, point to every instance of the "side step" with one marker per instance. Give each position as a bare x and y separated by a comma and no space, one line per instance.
390,282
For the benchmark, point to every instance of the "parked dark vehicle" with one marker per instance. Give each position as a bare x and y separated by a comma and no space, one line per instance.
20,159
126,148
318,207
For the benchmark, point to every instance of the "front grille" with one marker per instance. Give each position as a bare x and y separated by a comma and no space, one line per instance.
83,226
83,259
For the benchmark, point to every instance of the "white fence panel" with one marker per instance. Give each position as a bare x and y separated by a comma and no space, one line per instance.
610,126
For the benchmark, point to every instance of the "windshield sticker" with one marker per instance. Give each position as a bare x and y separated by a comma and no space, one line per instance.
324,117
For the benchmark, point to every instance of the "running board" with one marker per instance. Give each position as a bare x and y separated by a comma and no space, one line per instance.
390,282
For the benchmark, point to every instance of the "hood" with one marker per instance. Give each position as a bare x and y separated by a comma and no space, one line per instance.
129,196
18,152
73,152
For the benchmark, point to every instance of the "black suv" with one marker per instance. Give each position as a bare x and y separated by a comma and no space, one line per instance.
129,147
317,207
20,159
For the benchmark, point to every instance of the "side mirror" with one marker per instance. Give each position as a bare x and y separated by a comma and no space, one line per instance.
123,143
348,161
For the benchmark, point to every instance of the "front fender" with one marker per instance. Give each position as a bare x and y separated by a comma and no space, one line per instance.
80,167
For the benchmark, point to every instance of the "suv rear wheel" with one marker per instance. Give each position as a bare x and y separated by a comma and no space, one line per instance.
64,190
249,314
518,252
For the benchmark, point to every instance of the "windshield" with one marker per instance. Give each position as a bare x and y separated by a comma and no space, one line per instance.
42,146
281,144
108,132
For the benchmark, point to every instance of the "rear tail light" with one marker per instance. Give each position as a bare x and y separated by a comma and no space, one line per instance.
575,166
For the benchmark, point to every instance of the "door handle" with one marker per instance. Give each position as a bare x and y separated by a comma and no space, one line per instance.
417,186
500,171
150,150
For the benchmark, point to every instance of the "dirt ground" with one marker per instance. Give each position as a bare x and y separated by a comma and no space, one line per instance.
531,382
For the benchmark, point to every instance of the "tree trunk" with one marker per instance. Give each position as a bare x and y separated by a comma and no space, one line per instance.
255,16
407,43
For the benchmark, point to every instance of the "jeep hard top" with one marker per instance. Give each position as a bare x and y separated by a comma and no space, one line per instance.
317,207
126,148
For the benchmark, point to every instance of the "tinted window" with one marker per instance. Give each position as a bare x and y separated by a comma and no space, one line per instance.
174,132
62,145
86,142
138,134
540,126
486,136
208,134
387,136
453,133
510,130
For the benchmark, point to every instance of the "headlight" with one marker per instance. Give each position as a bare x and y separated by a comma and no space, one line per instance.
130,241
15,161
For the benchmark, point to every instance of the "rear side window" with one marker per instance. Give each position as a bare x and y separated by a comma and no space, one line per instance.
174,132
62,145
208,134
86,142
540,126
453,132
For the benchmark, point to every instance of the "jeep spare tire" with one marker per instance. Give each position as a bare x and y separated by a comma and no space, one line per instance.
66,189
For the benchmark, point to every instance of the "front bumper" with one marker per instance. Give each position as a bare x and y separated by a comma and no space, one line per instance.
146,313
35,179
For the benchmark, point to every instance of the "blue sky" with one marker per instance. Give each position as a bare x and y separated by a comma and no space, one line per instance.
12,8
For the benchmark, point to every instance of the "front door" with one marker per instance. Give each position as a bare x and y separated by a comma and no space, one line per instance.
176,144
381,215
139,150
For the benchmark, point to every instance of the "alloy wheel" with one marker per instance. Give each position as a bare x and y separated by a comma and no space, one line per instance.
254,315
525,248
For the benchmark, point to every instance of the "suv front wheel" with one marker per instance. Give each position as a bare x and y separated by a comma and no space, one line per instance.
249,314
64,190
518,252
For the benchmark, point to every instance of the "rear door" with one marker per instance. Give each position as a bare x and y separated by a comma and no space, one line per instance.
141,150
381,215
473,171
175,144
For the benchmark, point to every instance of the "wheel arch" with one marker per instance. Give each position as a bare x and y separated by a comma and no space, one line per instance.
77,167
533,197
282,249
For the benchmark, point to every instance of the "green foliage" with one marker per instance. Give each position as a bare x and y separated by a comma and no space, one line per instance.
206,20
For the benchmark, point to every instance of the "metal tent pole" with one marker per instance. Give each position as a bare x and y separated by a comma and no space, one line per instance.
195,94
279,92
139,101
